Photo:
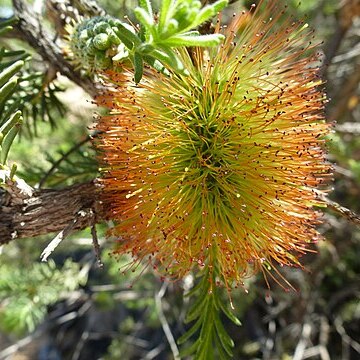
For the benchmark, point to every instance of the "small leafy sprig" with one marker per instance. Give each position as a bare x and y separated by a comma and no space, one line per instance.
11,62
212,341
26,95
104,42
25,293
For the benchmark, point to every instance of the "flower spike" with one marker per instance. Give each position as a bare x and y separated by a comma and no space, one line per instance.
219,167
218,172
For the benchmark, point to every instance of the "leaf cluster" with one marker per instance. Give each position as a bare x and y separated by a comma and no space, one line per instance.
11,62
25,293
38,97
104,42
26,90
66,167
211,338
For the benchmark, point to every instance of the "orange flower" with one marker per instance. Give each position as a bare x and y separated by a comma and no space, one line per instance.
219,168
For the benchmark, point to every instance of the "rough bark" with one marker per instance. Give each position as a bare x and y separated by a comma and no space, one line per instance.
26,212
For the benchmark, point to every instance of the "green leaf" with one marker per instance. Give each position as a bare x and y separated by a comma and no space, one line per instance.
205,349
226,341
14,118
227,312
144,18
223,355
207,320
127,36
219,5
7,90
193,40
9,111
169,57
139,67
198,286
156,64
187,351
194,328
5,30
163,16
6,74
15,53
146,5
8,140
8,22
172,27
207,12
197,307
145,48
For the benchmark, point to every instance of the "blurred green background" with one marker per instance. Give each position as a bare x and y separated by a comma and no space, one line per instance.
69,308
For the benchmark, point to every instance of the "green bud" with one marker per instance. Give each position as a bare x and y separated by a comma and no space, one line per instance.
97,41
102,41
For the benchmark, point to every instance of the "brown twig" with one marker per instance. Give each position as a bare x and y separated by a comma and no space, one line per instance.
31,31
96,241
60,237
342,210
351,128
46,211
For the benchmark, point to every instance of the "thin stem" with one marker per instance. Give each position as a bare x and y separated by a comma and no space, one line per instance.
96,240
342,210
64,156
164,323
